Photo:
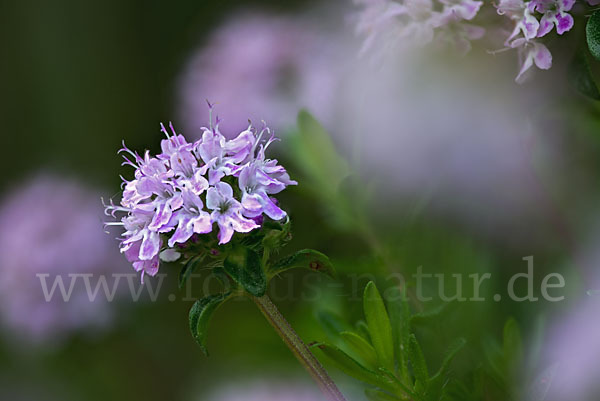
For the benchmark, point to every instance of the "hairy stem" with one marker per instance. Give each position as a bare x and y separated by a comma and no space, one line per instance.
298,348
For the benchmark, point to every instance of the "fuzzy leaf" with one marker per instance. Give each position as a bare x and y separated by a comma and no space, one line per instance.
580,76
200,315
306,258
244,267
380,329
592,31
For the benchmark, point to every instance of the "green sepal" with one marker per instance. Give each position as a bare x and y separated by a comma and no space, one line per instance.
244,266
200,315
306,258
186,271
380,329
276,234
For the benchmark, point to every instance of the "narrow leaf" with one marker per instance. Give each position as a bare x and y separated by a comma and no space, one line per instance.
244,267
399,312
449,356
200,315
306,258
361,348
417,360
351,367
378,322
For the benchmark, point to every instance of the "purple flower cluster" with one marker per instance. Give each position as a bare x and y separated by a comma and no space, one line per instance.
188,187
532,20
419,22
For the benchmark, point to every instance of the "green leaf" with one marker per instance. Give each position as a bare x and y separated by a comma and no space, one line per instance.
316,154
244,267
580,76
361,348
376,395
592,31
189,268
200,315
417,360
351,367
512,348
451,352
378,322
399,312
306,258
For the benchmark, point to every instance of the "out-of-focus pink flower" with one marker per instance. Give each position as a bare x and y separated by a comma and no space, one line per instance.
260,67
52,226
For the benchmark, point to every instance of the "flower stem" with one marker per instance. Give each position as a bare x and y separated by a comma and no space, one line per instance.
298,348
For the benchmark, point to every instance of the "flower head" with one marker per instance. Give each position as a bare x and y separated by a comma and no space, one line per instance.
186,189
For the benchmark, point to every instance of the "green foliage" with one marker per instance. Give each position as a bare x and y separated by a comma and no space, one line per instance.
244,266
380,329
306,258
592,31
389,357
200,315
580,76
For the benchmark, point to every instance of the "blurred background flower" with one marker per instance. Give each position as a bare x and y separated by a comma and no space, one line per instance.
52,227
262,66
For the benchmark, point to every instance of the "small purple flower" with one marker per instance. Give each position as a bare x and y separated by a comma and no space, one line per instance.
191,219
525,22
530,53
555,13
227,212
